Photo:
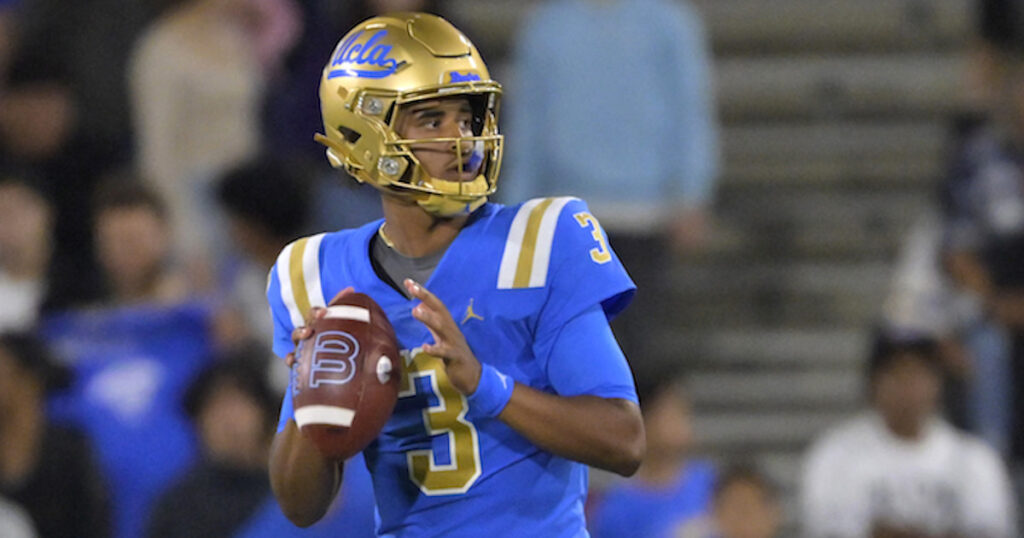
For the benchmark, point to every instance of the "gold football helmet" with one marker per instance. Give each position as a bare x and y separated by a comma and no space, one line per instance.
392,60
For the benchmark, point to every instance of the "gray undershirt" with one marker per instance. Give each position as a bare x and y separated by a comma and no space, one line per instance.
398,267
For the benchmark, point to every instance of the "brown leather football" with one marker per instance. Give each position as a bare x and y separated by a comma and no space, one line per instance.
347,376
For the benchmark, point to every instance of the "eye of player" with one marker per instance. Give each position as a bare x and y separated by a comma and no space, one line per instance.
434,117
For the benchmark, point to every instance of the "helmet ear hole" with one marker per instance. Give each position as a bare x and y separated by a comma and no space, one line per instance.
351,135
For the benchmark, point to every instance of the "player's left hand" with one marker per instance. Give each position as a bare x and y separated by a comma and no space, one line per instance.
461,364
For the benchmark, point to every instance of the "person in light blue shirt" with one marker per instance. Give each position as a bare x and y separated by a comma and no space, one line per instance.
613,100
613,103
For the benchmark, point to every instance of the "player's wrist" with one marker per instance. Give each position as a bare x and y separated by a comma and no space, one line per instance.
493,391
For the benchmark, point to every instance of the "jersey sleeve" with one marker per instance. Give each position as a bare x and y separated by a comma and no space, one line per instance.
565,252
293,288
605,372
583,270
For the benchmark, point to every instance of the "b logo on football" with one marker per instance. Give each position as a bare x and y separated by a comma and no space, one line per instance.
333,359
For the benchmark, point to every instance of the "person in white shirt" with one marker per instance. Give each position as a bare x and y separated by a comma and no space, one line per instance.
899,470
26,224
14,522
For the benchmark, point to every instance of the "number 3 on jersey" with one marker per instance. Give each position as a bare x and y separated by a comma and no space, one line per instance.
601,254
447,417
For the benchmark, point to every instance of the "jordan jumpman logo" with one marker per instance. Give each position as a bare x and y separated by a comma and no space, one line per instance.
470,314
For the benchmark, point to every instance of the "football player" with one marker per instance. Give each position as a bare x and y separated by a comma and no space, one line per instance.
513,382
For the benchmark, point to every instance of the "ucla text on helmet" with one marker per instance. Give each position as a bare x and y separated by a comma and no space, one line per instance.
352,54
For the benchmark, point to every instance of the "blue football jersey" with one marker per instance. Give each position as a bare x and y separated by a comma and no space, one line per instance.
512,279
132,366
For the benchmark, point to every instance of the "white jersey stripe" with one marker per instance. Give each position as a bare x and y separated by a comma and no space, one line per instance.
545,238
513,245
311,271
284,278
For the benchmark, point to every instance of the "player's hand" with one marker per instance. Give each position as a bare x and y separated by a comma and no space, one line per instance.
461,364
304,332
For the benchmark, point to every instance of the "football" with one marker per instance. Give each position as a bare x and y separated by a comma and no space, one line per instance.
346,376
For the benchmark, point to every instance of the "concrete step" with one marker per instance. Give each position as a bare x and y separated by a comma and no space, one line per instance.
740,239
837,347
782,295
746,242
845,144
877,172
759,431
792,389
811,85
817,208
756,26
694,281
772,311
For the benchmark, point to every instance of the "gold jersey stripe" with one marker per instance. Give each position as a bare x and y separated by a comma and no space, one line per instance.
545,241
529,244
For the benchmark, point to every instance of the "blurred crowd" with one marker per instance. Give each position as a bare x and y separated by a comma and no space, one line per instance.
156,155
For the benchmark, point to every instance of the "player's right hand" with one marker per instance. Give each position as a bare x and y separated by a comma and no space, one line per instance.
305,331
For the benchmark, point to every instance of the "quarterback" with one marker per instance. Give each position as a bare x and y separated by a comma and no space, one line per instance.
513,382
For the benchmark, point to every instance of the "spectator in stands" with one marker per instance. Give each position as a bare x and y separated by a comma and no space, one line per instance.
8,26
614,104
197,79
899,469
267,202
746,505
670,488
233,412
984,197
133,245
47,469
14,522
975,348
26,226
88,44
134,355
63,114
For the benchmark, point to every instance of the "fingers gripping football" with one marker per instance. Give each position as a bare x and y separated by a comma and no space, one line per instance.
305,332
461,364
